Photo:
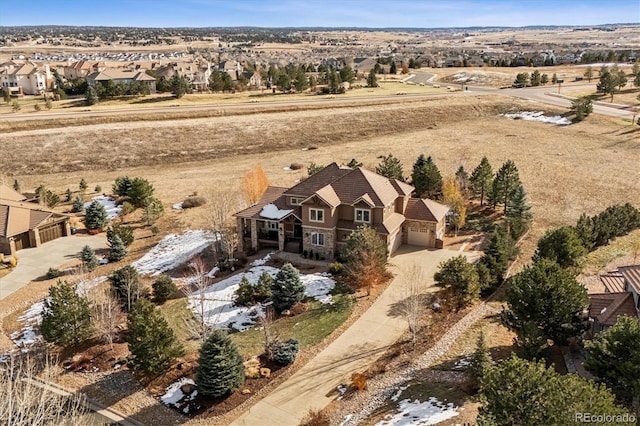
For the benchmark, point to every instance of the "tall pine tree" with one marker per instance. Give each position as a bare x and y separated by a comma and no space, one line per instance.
426,178
88,257
518,213
152,343
220,368
390,167
65,318
482,179
505,184
117,251
96,217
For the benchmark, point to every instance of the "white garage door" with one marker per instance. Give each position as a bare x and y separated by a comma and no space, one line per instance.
419,236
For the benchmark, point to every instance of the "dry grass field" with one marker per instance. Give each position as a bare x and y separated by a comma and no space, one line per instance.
566,170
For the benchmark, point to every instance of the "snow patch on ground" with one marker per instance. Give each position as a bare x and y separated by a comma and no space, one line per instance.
172,251
174,396
462,363
220,311
346,419
430,412
396,395
83,287
29,334
260,262
538,116
109,205
271,211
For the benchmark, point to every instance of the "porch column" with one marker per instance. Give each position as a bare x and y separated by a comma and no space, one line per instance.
67,228
281,236
12,246
254,234
240,228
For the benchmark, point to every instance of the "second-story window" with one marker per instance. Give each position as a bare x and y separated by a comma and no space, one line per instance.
363,215
272,226
316,215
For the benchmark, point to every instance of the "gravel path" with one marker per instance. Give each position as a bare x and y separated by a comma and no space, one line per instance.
381,388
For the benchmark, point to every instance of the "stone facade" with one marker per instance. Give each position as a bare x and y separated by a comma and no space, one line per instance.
327,250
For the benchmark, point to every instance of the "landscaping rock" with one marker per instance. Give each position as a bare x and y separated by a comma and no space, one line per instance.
245,391
188,388
265,372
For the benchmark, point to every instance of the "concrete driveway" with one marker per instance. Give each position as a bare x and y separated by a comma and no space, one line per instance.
357,348
33,263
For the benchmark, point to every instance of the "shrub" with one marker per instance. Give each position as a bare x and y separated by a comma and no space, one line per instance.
287,289
316,418
124,232
336,268
359,381
163,288
191,202
248,295
98,188
117,251
88,257
127,208
296,166
78,205
305,253
53,273
285,352
13,262
37,107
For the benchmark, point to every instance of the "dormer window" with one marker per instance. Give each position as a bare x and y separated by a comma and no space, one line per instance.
316,215
363,215
295,201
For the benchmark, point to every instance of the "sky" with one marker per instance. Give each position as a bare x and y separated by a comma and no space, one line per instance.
318,13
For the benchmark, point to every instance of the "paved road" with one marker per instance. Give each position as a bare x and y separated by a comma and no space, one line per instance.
33,263
356,349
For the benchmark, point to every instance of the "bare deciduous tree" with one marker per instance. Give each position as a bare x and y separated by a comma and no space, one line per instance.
412,306
27,400
222,204
271,337
106,315
197,282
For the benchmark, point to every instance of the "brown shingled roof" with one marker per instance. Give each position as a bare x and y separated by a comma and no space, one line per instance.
272,195
7,193
425,209
318,180
607,307
631,275
613,282
17,217
352,186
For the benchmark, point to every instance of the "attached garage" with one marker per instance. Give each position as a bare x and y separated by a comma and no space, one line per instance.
420,236
51,232
22,241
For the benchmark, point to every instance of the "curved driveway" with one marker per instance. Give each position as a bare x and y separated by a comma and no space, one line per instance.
355,350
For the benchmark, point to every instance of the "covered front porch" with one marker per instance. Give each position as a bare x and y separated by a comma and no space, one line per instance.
283,235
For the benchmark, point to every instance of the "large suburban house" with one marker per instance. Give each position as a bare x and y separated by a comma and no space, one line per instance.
24,78
621,297
24,224
125,76
320,212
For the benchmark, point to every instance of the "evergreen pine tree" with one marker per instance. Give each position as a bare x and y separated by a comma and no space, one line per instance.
126,286
372,80
390,167
480,362
16,185
65,317
124,232
496,259
89,259
77,206
163,288
68,194
220,369
354,164
393,70
518,213
117,251
482,179
83,185
287,289
91,96
505,184
96,216
152,343
426,178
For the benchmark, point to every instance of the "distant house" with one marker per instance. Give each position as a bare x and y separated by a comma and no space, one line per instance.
24,224
24,78
197,73
81,69
233,68
319,213
363,66
125,76
622,297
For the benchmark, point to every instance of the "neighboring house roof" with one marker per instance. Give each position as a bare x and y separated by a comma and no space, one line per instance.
7,193
18,217
425,209
631,275
116,75
613,282
607,307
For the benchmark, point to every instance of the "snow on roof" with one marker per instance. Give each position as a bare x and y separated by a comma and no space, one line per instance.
271,211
